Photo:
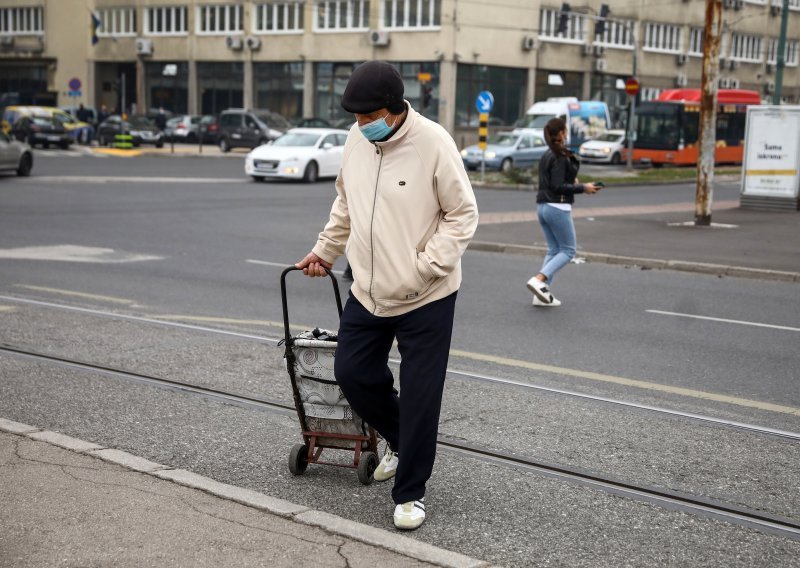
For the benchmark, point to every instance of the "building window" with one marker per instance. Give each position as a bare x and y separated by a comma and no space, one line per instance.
507,84
221,19
340,15
746,48
548,26
696,37
412,14
165,20
116,22
279,87
649,93
662,37
277,17
790,55
21,21
618,34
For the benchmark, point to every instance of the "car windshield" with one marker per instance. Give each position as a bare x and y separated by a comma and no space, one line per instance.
64,118
296,139
507,140
139,122
534,120
274,120
43,121
609,137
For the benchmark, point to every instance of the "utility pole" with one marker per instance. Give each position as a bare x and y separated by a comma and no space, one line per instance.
708,114
632,110
776,97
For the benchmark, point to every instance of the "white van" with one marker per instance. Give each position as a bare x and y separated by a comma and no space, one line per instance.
586,119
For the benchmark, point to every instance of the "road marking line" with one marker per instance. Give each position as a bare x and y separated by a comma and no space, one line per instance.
121,179
112,299
6,308
74,253
724,320
626,382
213,319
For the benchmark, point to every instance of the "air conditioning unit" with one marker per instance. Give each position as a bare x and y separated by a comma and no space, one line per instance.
528,43
379,38
599,51
588,49
733,83
681,80
775,10
253,43
724,83
7,41
769,68
681,59
234,42
733,65
769,87
600,65
144,46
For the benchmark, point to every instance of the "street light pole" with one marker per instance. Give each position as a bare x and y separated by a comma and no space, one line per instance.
781,63
708,114
632,112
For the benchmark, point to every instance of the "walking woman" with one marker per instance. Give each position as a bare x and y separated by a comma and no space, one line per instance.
558,184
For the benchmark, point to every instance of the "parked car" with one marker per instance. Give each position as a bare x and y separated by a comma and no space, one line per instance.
42,130
142,130
209,128
313,122
184,128
15,155
608,148
507,150
78,131
301,153
249,129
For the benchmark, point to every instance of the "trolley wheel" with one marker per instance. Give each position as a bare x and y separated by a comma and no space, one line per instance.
366,467
298,459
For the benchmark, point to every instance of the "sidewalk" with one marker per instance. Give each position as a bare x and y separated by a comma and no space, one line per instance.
741,242
168,151
67,502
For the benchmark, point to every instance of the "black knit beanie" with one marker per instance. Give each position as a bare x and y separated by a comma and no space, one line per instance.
372,86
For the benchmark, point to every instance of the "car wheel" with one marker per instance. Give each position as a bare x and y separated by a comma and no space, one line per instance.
64,145
159,144
45,145
616,159
312,172
191,138
25,165
224,145
257,178
506,165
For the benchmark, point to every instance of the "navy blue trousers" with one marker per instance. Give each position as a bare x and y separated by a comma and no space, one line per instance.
408,422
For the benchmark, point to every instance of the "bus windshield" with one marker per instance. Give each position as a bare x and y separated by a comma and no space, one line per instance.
534,120
658,126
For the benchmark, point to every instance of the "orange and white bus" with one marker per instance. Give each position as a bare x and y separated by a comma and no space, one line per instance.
667,129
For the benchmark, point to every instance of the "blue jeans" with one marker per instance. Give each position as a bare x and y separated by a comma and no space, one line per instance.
559,231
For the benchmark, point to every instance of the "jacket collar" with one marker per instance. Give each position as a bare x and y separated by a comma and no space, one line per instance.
397,137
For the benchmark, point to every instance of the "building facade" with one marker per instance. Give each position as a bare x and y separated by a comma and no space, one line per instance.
294,56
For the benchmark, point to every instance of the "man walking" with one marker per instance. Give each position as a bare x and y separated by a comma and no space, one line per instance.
404,214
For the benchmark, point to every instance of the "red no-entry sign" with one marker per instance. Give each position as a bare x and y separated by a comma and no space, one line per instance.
631,86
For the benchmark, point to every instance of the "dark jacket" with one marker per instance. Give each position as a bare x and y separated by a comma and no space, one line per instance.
557,179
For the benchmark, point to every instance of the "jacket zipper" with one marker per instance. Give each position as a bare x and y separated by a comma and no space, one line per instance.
372,230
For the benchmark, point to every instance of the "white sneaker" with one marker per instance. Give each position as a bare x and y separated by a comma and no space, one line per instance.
409,516
539,304
540,290
387,468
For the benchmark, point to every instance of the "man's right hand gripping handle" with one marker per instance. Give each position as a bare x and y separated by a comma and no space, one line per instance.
313,265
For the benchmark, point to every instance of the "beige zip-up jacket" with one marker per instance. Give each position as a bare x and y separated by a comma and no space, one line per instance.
404,214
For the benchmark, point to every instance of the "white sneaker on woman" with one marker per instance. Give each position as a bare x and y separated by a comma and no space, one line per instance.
540,290
539,304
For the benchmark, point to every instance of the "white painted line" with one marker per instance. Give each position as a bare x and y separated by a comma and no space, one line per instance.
111,299
723,320
74,253
121,179
283,265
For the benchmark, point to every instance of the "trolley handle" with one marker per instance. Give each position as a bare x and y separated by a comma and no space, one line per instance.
284,303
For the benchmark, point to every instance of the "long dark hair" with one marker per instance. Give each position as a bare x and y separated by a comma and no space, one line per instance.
551,131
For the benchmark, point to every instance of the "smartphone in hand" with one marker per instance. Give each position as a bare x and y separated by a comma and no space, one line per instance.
599,183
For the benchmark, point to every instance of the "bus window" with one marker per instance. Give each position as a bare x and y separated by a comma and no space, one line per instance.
657,126
691,128
730,128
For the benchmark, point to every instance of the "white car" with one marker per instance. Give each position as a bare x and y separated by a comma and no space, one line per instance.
301,153
607,148
15,155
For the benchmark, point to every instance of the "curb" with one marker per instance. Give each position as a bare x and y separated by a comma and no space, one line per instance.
727,178
366,534
680,265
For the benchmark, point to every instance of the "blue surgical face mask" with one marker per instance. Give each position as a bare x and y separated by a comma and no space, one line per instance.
376,130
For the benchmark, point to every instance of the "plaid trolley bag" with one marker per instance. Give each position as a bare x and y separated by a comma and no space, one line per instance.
326,418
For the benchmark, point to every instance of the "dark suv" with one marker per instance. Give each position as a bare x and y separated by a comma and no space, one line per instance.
239,128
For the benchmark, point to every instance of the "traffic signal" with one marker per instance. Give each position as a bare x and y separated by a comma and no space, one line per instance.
600,26
563,19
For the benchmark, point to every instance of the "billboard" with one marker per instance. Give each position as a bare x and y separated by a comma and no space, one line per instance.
771,166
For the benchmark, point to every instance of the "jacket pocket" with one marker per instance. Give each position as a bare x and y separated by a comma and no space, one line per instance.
404,279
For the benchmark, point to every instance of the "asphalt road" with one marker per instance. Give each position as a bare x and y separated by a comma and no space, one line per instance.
217,248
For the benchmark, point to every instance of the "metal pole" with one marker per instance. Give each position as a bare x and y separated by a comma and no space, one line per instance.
708,114
776,97
122,92
632,112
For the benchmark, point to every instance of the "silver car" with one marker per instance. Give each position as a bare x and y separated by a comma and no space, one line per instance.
15,155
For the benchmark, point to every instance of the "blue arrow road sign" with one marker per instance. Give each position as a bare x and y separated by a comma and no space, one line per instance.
484,102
